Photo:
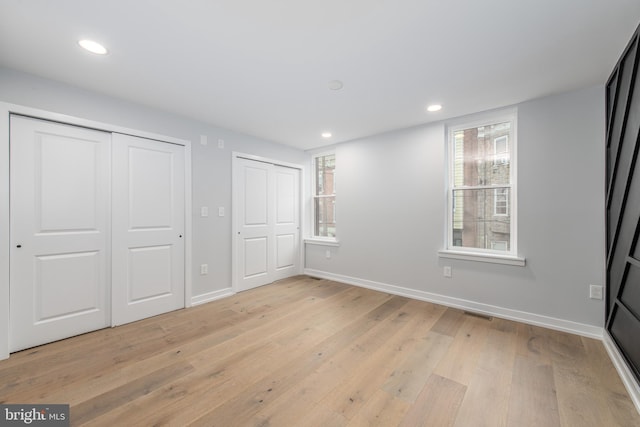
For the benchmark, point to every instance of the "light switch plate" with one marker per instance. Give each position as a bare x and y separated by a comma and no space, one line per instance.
447,271
595,292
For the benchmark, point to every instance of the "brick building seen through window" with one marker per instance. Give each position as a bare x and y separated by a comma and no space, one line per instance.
481,188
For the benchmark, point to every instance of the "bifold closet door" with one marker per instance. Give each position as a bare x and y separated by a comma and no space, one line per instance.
268,222
286,222
148,228
59,274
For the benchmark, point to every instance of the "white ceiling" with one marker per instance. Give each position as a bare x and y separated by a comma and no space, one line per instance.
262,67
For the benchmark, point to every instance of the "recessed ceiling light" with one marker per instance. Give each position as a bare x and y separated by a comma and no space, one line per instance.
434,107
93,47
326,134
335,85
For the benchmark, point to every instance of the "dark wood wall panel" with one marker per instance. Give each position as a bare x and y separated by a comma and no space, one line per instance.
612,86
628,223
625,327
630,295
623,206
625,158
625,77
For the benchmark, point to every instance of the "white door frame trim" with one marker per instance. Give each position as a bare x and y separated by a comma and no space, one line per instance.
6,109
235,156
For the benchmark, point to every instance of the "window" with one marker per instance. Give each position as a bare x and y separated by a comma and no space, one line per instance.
501,201
324,195
501,150
499,245
481,192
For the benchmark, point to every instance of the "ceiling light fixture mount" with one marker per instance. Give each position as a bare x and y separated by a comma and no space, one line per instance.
93,47
326,135
434,107
335,85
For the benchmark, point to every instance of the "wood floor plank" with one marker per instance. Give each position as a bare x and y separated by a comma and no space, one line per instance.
437,404
582,396
461,359
199,392
117,397
607,384
317,416
313,352
408,379
449,322
232,365
490,385
296,339
531,342
348,397
532,394
579,402
205,342
243,407
382,409
344,366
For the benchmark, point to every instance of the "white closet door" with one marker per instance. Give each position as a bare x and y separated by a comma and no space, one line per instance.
267,222
254,237
59,231
148,228
286,222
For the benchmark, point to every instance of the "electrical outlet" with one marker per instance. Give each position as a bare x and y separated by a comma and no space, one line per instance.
204,211
327,254
447,271
204,269
221,143
203,140
595,291
221,211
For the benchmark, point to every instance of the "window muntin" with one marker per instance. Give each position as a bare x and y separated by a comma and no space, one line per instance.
324,197
481,190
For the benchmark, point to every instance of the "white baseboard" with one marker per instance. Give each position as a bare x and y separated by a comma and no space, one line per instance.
627,377
491,310
211,296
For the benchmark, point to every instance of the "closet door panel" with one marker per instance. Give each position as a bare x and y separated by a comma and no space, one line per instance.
267,221
59,280
148,228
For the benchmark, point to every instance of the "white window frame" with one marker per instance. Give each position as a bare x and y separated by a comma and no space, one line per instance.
324,240
510,257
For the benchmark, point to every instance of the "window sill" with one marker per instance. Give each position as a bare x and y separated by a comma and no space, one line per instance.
321,242
490,258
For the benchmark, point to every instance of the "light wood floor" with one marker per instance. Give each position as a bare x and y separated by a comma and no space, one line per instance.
305,352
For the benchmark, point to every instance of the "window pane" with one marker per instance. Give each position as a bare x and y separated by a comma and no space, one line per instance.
475,223
325,216
481,155
325,167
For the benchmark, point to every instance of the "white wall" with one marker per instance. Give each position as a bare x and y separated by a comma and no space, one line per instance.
211,166
390,218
